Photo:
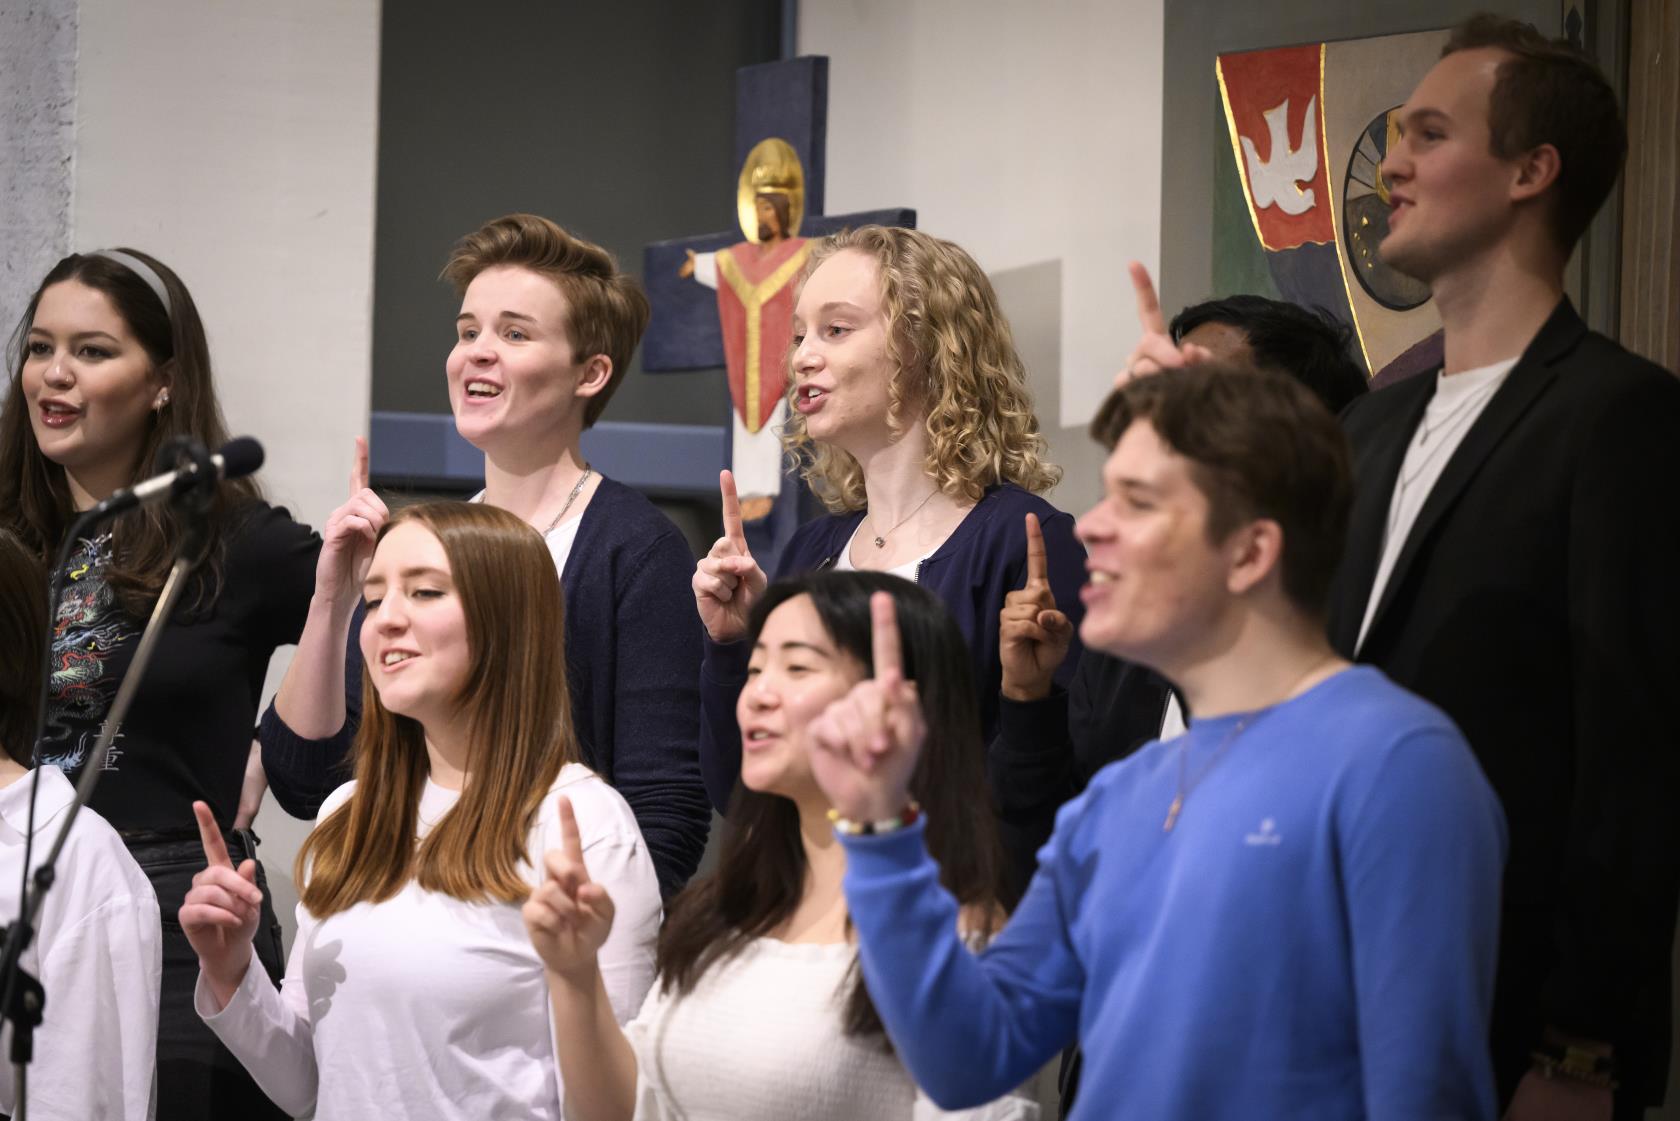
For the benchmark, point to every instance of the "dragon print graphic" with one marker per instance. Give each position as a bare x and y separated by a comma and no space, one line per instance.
87,632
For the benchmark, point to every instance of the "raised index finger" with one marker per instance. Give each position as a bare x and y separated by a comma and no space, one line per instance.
359,467
1038,565
883,614
571,841
1148,306
731,509
215,849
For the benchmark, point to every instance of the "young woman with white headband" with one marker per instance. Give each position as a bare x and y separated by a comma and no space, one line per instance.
110,363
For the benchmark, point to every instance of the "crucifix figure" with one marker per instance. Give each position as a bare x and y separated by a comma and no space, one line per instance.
781,123
754,280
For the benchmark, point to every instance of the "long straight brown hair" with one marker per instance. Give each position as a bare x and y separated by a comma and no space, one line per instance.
519,733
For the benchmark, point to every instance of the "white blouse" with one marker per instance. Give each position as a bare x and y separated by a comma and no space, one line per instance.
97,952
424,1006
760,1038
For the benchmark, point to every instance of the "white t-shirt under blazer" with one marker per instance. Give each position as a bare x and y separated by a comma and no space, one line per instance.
427,1007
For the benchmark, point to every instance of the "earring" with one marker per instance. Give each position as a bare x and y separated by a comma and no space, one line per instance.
162,399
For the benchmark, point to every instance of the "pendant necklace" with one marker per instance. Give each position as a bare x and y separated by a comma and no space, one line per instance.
1187,783
1184,788
881,539
1429,428
570,498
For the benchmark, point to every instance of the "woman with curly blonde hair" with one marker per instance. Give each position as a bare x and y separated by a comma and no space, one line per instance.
913,424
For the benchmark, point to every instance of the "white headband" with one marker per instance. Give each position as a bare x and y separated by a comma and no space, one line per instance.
142,270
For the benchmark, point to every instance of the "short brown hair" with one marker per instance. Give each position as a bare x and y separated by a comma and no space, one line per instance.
23,619
1549,92
1260,445
608,310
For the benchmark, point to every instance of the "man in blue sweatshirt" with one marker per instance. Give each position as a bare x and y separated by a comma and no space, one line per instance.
1289,911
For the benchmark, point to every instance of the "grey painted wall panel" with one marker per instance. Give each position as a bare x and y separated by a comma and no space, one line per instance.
616,120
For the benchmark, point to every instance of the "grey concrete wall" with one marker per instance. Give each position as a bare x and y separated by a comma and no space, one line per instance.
38,137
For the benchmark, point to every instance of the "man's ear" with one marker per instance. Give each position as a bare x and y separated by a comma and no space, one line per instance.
597,372
1254,552
1536,171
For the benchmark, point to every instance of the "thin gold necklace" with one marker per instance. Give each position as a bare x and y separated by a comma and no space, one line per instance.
1184,788
1186,785
881,539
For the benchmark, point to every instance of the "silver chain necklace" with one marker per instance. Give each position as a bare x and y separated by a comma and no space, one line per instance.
570,498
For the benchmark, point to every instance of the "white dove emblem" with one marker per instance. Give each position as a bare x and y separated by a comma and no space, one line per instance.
1276,182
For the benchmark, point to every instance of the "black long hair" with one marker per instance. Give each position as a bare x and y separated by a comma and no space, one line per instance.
23,620
761,875
34,494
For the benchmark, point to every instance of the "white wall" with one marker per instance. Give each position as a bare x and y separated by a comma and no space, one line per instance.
237,142
1030,134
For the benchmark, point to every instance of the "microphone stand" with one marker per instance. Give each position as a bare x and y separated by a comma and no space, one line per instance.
22,998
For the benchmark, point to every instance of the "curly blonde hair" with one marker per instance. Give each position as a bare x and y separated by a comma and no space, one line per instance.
954,359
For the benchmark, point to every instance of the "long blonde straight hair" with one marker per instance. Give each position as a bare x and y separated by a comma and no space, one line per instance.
519,729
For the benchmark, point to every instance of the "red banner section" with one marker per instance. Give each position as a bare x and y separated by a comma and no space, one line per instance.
1273,110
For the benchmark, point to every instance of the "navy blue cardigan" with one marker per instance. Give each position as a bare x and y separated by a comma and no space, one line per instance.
632,659
983,560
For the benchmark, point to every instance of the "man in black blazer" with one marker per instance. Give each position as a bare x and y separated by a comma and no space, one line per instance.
1513,559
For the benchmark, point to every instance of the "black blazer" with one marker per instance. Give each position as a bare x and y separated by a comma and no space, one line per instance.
1535,602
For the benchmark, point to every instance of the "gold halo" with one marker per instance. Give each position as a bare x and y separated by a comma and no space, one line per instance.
772,167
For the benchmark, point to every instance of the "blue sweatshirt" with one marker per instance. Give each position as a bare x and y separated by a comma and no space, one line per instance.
1314,939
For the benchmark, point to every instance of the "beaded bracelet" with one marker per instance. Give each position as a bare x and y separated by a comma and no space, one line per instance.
874,828
1577,1066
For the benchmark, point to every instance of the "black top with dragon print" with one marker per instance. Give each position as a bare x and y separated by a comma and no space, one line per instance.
188,734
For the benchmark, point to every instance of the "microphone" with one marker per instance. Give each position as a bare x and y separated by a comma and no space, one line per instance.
239,457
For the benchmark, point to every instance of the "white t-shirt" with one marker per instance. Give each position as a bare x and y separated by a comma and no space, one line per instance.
760,1039
559,539
424,1006
1172,719
97,952
1459,399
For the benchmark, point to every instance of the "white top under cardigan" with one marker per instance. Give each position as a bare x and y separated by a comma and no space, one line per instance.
760,1039
558,538
97,952
427,1007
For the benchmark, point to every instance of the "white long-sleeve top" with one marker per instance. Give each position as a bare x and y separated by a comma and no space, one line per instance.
97,952
427,1007
760,1038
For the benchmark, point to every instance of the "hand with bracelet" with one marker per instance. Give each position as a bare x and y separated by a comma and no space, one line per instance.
865,745
1572,1080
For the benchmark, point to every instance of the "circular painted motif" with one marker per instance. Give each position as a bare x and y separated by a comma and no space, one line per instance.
1365,219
